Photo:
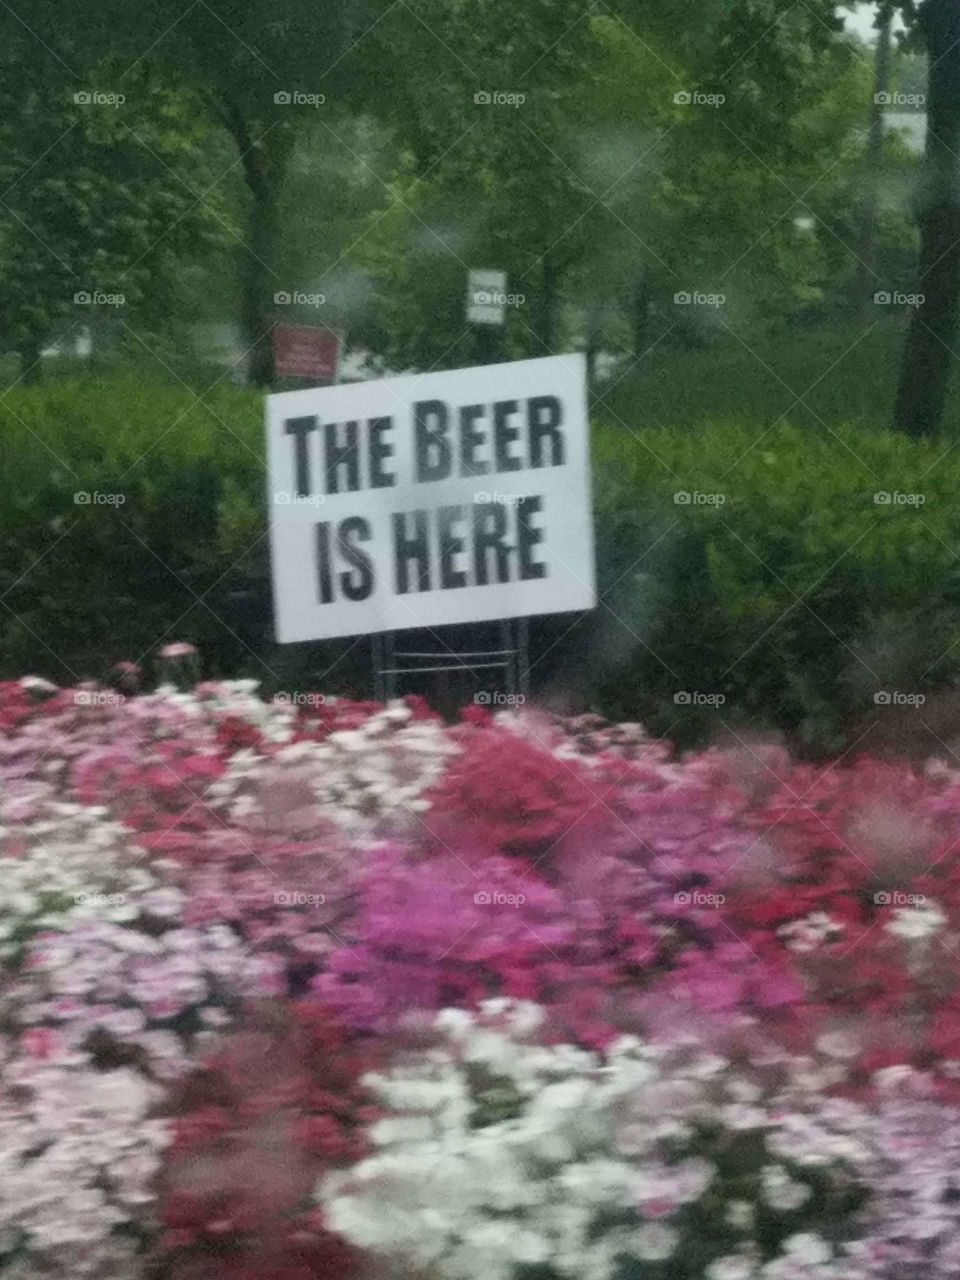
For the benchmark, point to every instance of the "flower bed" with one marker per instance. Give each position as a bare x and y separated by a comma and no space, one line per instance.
322,989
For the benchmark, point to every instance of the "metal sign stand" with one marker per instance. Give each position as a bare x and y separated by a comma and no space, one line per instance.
512,658
486,311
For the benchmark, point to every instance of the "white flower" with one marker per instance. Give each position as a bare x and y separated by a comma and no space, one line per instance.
740,1214
654,1242
589,1146
599,1182
393,1129
692,1178
564,1096
737,1116
79,1162
808,1247
839,1044
37,685
808,934
522,1016
916,923
455,1023
787,1196
733,1267
359,777
890,1079
122,1094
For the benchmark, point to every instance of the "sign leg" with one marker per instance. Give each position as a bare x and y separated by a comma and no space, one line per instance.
378,661
522,633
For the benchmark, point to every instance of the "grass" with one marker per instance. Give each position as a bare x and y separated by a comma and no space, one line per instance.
815,380
823,379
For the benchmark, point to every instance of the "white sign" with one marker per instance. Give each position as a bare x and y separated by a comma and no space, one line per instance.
430,499
486,296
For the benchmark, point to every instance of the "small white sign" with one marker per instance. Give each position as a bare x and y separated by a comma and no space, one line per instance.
486,296
425,500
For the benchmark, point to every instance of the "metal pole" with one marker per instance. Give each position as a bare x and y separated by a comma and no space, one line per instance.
523,656
508,655
377,660
389,644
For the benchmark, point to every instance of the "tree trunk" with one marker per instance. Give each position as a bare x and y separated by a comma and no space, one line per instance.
258,287
640,317
548,305
263,160
489,343
867,275
594,335
928,353
31,362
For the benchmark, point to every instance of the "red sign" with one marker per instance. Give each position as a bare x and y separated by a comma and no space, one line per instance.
302,352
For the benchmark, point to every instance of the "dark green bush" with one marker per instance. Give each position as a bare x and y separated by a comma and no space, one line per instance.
796,600
183,557
797,595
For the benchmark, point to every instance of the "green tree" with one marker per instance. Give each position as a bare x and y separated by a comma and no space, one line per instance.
487,173
259,74
97,203
929,350
610,181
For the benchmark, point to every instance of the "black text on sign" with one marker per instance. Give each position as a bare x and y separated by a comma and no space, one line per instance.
420,501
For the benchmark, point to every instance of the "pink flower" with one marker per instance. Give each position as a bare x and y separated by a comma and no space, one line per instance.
40,1042
178,649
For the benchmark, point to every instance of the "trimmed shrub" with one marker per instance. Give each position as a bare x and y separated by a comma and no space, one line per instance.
746,578
136,515
800,579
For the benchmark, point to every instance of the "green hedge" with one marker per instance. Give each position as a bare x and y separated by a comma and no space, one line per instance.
183,557
797,596
795,600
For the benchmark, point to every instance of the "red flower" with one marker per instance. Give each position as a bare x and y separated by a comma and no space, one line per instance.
257,1126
